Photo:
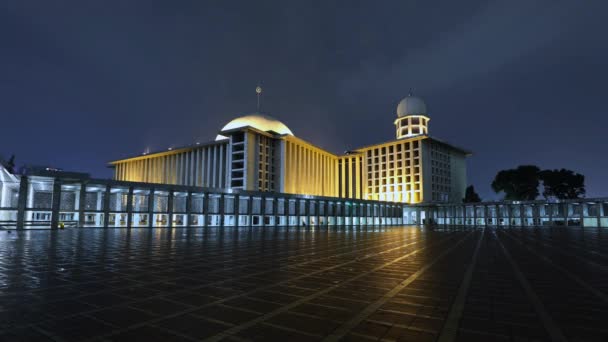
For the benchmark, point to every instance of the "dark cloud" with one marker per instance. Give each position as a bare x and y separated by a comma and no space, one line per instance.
82,83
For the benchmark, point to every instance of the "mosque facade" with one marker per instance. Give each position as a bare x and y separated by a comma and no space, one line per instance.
257,152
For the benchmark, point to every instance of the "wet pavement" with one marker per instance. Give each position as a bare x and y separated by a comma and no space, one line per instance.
303,284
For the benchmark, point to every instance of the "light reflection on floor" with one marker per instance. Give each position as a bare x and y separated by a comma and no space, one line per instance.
364,283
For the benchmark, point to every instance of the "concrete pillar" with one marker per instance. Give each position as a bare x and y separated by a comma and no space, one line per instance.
22,202
151,208
263,210
474,216
205,209
237,204
275,210
106,207
582,214
250,211
298,216
486,211
81,204
307,210
317,212
326,212
599,214
522,215
170,209
130,207
221,209
55,206
189,209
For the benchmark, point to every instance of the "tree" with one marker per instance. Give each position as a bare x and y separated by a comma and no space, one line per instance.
520,184
10,164
562,184
470,196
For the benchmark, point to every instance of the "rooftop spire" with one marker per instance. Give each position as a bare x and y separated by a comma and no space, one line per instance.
258,91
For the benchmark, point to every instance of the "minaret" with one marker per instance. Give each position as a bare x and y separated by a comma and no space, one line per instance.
411,117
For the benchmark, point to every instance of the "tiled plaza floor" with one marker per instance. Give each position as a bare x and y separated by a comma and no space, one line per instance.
303,284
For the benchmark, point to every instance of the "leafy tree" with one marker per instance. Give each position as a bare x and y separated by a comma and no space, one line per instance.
520,184
470,196
562,184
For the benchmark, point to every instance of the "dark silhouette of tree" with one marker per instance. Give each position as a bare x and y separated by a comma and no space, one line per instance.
470,196
10,164
562,184
520,184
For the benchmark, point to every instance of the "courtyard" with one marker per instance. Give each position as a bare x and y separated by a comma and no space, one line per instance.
399,283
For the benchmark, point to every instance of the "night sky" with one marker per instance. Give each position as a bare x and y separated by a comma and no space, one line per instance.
516,82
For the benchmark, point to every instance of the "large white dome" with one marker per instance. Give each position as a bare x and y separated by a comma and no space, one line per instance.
411,105
258,121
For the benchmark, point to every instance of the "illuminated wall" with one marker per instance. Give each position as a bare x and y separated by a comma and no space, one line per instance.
307,169
393,171
203,166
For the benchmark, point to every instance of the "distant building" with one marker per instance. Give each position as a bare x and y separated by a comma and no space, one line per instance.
259,153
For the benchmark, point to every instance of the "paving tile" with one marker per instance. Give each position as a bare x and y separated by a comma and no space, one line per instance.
149,334
302,284
192,326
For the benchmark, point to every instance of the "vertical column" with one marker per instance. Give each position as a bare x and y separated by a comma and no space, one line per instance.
130,207
237,209
205,208
189,209
297,212
418,220
486,211
275,210
106,207
263,210
249,210
582,213
307,210
326,212
474,215
170,209
151,208
522,215
317,212
22,202
599,214
81,204
55,203
221,209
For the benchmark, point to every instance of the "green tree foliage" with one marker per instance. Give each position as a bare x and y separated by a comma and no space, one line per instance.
562,184
470,196
520,184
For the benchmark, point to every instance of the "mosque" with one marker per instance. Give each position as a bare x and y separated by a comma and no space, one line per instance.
257,152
